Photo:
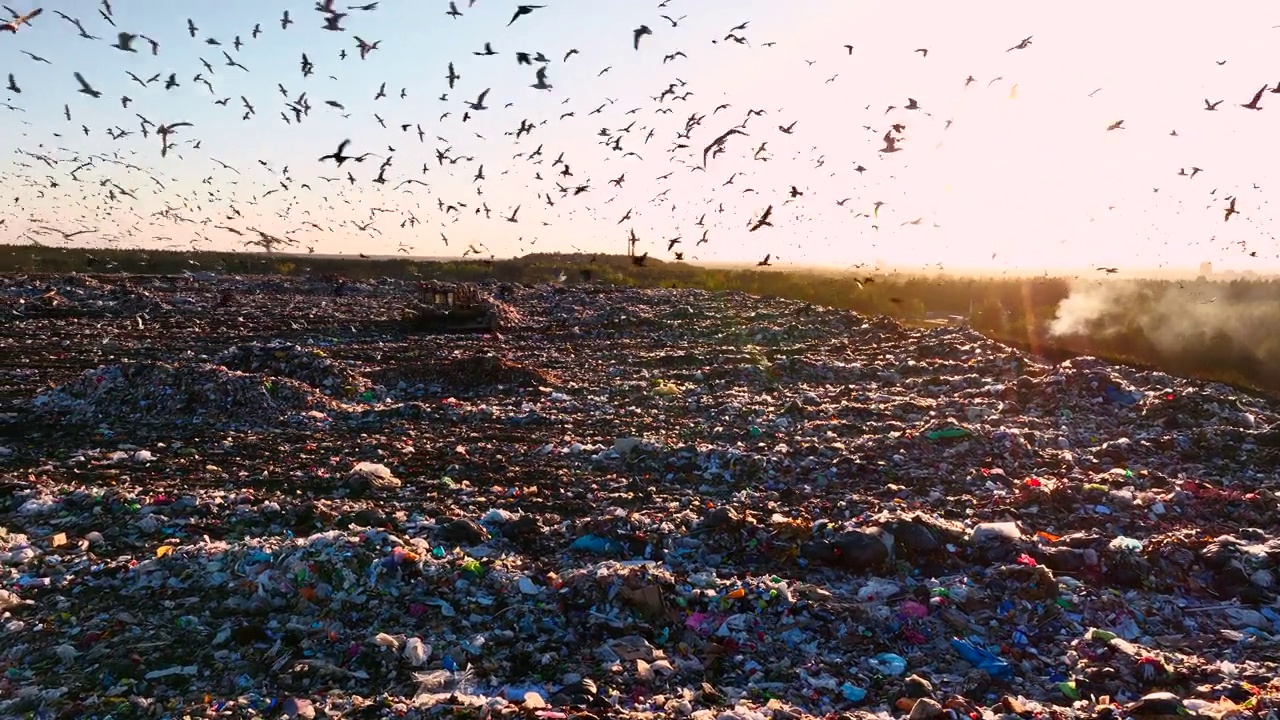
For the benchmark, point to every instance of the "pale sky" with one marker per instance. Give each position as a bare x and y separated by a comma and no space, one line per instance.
1027,170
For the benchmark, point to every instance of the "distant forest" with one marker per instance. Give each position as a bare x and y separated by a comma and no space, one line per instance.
1227,331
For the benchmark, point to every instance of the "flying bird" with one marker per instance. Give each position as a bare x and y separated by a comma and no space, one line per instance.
86,88
763,221
639,33
522,10
124,42
1253,104
1026,41
19,20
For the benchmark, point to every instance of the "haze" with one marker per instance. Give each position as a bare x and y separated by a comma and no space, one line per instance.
1016,170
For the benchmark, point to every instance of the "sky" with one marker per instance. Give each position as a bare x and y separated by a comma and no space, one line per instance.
1014,170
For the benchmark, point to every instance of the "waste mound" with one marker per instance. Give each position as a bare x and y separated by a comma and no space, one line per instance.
152,393
644,504
312,367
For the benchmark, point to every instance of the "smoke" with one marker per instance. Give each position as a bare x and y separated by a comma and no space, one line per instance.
1178,319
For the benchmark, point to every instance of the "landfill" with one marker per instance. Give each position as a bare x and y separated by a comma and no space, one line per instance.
243,497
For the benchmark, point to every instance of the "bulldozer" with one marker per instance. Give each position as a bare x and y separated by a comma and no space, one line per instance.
450,308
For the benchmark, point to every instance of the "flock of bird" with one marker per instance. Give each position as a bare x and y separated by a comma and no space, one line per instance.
674,127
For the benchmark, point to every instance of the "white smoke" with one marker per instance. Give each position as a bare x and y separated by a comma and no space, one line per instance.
1173,316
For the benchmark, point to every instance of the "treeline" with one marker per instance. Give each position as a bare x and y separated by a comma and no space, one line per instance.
1217,330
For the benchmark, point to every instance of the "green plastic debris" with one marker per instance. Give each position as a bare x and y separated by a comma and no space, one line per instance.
948,433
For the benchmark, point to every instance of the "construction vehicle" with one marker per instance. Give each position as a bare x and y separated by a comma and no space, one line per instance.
451,308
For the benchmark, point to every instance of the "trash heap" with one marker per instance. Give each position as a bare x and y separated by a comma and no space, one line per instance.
312,367
161,394
647,503
78,293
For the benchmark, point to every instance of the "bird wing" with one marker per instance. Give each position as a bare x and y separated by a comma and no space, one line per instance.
83,83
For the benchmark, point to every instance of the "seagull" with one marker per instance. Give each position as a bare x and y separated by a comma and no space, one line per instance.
522,10
639,33
1253,104
86,88
763,221
337,155
718,143
1022,45
541,76
366,48
19,20
479,105
124,41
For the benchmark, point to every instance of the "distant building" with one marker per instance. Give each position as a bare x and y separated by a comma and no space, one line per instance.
1206,270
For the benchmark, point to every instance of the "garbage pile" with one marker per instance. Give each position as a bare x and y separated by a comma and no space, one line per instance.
311,367
156,393
77,293
649,503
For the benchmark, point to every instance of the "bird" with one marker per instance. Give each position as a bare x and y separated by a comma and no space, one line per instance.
1116,125
452,77
763,221
1253,104
13,85
337,156
124,42
488,50
366,47
523,10
35,57
19,20
718,143
765,261
86,88
1022,45
541,77
639,33
479,105
1230,210
1211,105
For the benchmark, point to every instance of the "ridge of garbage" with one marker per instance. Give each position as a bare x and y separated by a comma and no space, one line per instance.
246,497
